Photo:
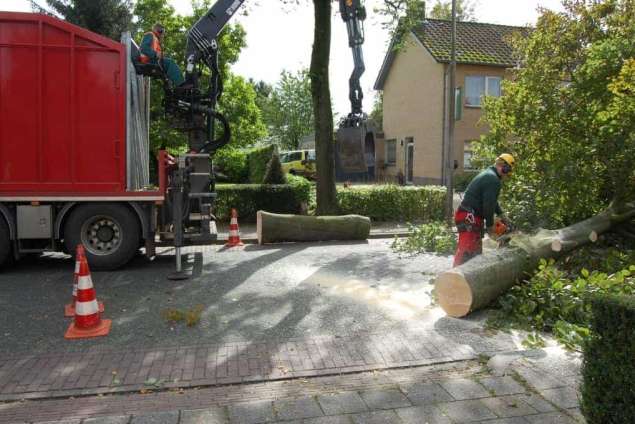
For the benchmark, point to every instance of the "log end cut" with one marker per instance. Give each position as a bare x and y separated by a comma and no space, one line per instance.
454,293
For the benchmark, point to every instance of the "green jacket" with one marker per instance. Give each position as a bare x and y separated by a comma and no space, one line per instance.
481,195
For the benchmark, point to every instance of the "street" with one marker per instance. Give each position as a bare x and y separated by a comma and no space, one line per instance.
339,315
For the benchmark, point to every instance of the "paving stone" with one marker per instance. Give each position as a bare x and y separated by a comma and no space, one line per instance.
428,414
376,417
333,419
121,419
297,409
501,386
466,410
538,380
425,393
508,406
203,416
342,403
251,413
463,388
564,397
385,399
170,417
550,418
512,420
59,422
536,402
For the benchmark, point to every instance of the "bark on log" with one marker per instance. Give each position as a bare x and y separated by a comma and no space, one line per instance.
273,228
481,280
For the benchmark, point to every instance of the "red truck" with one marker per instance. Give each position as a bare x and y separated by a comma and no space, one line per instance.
66,151
74,147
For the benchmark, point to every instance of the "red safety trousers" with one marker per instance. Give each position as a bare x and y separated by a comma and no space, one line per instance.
470,241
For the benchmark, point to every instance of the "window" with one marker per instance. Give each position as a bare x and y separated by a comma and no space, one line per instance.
391,152
478,86
284,158
467,156
293,156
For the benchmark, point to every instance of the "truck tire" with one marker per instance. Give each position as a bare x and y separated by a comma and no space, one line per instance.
5,242
109,232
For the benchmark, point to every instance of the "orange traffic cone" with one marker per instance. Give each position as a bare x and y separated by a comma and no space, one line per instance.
87,322
69,309
234,233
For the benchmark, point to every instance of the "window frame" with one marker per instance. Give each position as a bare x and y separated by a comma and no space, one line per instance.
486,79
387,146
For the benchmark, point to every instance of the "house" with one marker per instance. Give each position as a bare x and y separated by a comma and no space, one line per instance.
414,80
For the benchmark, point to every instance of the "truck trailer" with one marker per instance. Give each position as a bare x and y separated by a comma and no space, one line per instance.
74,138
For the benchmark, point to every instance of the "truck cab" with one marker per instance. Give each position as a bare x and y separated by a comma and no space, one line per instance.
299,162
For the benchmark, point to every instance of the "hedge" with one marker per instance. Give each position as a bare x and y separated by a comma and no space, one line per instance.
608,370
393,203
250,198
462,180
257,160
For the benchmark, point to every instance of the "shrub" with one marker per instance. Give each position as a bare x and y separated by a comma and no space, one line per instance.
434,237
393,203
462,180
273,173
302,187
233,164
608,371
248,199
258,158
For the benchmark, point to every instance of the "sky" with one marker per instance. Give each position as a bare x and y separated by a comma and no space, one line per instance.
280,38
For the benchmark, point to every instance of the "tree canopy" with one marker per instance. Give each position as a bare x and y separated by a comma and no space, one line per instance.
106,17
568,114
443,10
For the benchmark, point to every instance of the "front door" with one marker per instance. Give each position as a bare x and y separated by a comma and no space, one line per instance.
410,155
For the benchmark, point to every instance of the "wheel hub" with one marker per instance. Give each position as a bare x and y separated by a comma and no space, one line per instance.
101,235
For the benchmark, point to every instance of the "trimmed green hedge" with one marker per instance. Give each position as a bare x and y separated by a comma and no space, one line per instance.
250,198
608,371
257,160
393,203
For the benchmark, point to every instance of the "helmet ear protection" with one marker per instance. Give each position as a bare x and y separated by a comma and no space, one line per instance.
506,169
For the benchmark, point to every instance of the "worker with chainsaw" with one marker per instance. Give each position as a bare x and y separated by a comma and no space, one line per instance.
152,52
475,215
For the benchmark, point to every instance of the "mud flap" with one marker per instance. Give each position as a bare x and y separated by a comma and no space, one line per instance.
350,148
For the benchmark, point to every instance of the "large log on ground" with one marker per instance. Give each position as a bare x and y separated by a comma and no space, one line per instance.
478,282
273,228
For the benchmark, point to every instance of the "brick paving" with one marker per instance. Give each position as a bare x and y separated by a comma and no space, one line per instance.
364,397
104,371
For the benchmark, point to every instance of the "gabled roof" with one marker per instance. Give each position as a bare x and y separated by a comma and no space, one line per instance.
476,44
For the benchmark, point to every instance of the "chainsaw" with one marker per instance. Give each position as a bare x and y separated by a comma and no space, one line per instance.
503,232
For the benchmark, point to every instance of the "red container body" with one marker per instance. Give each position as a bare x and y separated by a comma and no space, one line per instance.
62,108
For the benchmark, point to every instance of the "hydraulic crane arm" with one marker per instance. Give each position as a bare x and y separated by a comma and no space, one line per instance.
354,13
202,44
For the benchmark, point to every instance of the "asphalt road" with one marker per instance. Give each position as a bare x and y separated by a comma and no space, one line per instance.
246,294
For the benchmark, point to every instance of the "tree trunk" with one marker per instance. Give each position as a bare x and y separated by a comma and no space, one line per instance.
481,280
273,228
321,96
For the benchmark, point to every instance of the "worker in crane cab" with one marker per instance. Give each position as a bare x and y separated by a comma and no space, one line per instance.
475,215
152,52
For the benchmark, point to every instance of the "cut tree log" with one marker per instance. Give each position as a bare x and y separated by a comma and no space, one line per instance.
275,228
478,282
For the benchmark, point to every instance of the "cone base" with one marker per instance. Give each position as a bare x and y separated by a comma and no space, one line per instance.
234,244
69,309
102,329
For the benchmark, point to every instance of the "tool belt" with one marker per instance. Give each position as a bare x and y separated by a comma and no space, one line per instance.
470,222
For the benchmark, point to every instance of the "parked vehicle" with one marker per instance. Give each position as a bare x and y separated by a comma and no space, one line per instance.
299,162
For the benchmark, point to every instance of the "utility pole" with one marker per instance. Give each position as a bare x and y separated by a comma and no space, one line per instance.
449,148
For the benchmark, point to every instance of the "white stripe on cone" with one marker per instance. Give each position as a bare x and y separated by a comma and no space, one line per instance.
86,308
84,282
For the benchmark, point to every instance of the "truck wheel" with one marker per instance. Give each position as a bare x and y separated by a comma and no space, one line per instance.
110,234
5,242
